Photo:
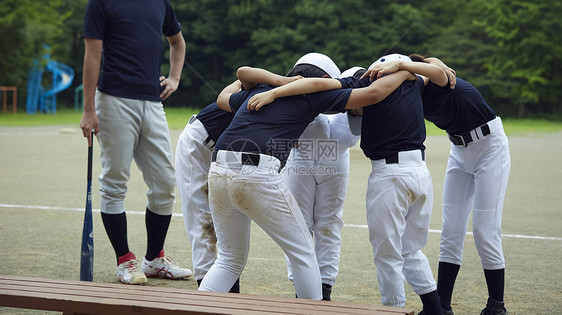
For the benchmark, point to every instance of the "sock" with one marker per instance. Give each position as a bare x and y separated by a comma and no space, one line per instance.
156,230
116,229
326,292
431,305
495,281
128,256
235,287
446,277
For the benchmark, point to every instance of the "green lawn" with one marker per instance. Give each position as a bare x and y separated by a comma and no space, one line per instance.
177,118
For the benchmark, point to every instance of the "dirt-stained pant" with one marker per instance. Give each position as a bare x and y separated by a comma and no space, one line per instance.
193,159
317,174
399,202
239,194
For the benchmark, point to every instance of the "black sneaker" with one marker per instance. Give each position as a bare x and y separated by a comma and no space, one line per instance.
494,307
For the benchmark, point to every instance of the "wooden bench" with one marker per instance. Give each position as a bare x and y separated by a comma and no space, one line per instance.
79,297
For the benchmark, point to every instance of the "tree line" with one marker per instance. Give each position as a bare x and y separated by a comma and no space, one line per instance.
510,50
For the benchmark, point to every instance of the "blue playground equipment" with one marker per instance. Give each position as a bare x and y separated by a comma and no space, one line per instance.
46,101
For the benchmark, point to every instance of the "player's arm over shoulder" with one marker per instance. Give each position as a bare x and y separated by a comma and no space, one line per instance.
223,100
299,87
378,90
251,77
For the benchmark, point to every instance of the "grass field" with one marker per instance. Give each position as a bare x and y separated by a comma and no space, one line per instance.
42,197
177,118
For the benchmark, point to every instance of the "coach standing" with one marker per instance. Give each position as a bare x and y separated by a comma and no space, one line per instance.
127,116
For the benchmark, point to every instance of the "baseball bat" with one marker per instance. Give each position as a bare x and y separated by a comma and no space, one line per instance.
87,252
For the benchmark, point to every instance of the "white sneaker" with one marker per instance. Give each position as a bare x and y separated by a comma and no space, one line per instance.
129,272
164,267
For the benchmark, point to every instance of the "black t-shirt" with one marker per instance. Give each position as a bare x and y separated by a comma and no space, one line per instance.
395,124
215,120
273,129
131,31
456,111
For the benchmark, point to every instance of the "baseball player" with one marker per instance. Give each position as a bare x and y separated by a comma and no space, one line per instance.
317,174
123,105
475,181
245,184
399,193
192,162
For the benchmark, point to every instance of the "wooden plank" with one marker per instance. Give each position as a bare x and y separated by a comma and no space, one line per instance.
99,298
257,299
236,298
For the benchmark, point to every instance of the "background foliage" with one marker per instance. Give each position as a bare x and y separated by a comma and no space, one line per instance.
510,50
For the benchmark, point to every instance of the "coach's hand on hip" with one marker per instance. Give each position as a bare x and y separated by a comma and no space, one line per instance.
170,86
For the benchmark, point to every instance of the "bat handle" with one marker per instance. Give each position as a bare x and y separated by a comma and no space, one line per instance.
90,154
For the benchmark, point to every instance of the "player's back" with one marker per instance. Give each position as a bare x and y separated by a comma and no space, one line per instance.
458,110
273,128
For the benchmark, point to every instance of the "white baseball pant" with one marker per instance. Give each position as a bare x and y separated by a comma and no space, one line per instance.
399,203
317,175
476,180
240,193
193,159
320,193
136,129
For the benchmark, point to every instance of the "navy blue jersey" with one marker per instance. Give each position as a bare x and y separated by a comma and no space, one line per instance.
131,31
456,111
395,124
236,100
215,120
273,129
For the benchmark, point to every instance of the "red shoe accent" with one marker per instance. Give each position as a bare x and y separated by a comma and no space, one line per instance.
128,256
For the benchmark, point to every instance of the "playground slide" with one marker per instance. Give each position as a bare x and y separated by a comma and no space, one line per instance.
62,79
34,88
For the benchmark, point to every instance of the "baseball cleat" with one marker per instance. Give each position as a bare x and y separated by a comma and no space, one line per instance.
129,272
494,307
164,267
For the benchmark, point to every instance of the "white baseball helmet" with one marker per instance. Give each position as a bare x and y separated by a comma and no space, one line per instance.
321,61
351,72
390,57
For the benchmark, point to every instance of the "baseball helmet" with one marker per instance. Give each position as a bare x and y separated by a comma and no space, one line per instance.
351,72
321,61
391,57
